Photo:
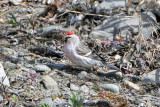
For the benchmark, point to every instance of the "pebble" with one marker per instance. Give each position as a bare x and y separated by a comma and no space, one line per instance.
102,35
93,93
21,54
110,87
89,83
84,89
74,87
14,41
41,68
58,66
131,84
152,76
82,75
8,51
109,5
109,73
50,83
9,65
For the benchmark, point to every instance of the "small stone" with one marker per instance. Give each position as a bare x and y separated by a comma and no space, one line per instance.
9,65
111,4
89,83
50,83
84,89
74,87
59,66
117,57
14,41
135,86
101,35
93,93
152,76
82,75
8,51
41,68
119,74
110,87
21,54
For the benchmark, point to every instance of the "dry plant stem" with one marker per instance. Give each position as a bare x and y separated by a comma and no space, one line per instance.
71,11
140,3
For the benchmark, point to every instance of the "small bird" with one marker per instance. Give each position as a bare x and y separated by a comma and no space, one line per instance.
3,78
80,54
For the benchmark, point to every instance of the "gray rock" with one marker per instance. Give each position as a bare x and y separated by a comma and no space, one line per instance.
21,54
15,59
8,51
9,65
64,74
49,83
153,76
82,75
40,11
93,93
110,87
14,41
106,31
41,68
111,4
109,73
130,26
132,85
89,83
58,66
84,89
102,35
125,26
29,104
74,87
45,61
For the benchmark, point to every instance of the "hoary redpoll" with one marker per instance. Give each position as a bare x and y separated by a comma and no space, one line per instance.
80,55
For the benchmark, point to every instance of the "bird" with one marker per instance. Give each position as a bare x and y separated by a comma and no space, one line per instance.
80,54
3,78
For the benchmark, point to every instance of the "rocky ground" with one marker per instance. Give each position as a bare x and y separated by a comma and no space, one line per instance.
123,32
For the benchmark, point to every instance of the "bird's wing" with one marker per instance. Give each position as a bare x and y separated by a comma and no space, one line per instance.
83,50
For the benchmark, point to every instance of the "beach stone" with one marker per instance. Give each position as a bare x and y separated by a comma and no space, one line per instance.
110,87
8,51
50,83
41,68
153,76
74,87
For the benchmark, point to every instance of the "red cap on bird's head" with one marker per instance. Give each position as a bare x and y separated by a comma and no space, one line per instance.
70,33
